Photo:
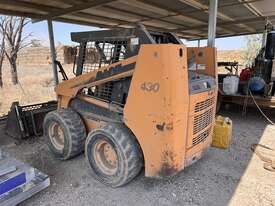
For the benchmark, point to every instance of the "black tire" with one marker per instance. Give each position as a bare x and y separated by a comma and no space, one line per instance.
73,129
128,154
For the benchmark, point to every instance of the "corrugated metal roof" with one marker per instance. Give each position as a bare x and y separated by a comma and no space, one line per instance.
187,18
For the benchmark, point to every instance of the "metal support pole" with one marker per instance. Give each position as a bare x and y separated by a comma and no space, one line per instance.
212,22
264,34
53,52
199,43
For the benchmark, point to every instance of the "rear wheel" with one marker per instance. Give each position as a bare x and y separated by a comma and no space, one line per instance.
113,154
65,133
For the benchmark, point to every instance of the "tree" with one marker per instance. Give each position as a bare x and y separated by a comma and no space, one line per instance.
14,41
2,55
2,47
253,46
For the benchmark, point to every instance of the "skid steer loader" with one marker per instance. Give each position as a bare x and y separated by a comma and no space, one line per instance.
139,99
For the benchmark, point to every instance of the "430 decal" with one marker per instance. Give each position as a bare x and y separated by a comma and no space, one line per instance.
150,86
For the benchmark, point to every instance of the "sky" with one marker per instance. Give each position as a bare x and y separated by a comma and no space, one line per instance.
62,35
229,43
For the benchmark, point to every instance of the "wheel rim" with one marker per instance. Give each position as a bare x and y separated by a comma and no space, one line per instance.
105,157
56,135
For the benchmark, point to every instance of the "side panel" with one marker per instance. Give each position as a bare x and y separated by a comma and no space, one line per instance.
206,56
202,106
200,125
157,107
201,116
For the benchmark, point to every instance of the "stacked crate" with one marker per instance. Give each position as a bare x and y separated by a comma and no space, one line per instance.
19,181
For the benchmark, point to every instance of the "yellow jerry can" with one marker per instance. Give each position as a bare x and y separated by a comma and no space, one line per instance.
222,132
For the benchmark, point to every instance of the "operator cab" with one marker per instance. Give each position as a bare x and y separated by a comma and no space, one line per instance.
98,49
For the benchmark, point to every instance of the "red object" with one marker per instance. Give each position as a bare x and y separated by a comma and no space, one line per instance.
245,74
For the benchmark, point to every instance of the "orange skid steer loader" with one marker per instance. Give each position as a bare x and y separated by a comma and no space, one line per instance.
139,99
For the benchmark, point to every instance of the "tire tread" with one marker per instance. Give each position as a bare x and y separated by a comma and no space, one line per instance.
130,150
75,127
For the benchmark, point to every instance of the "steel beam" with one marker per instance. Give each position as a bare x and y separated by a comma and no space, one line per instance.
205,8
238,3
81,22
19,13
200,6
178,12
175,11
78,7
212,22
24,5
227,23
264,34
250,7
53,52
228,35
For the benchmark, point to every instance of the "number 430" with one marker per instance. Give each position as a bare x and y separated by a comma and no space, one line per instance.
150,87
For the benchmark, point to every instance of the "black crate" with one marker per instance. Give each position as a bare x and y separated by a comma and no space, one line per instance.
27,121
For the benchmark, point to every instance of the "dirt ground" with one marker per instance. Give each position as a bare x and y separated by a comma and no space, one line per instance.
222,177
35,86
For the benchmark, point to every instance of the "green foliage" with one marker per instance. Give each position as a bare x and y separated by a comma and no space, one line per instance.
253,46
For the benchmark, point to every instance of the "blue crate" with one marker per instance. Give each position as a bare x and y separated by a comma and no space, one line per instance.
12,182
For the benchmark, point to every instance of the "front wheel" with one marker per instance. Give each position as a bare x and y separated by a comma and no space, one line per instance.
113,154
65,133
